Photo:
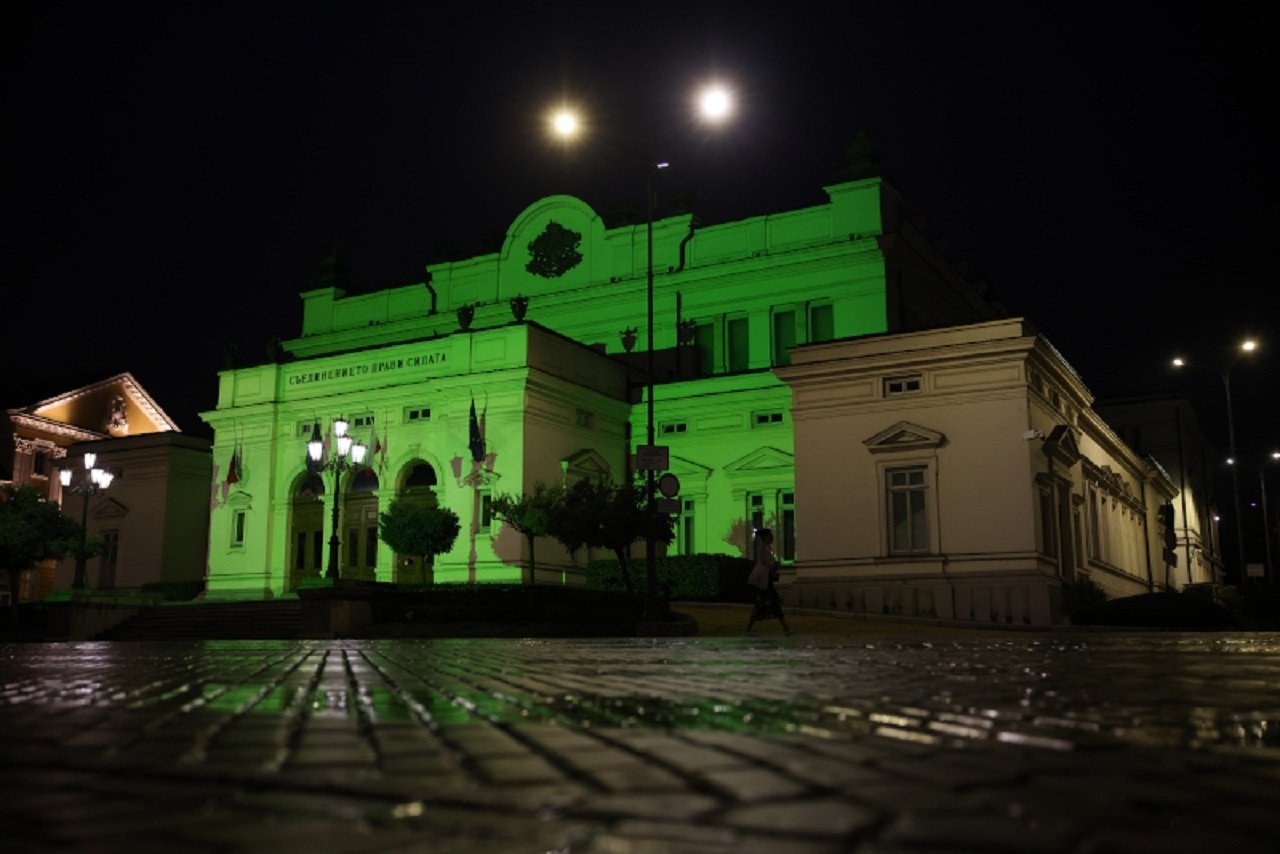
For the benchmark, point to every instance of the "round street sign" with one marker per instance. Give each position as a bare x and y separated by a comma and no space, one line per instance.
669,485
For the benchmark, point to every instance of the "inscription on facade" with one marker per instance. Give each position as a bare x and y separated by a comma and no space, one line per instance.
362,369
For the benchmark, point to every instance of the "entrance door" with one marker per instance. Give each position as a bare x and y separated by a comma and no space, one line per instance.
306,531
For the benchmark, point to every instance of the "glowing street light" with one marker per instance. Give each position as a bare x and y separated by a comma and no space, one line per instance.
93,481
345,455
1248,345
714,106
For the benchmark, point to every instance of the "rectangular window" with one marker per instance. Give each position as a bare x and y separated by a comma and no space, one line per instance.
673,427
237,529
417,413
908,510
704,341
686,528
584,418
300,552
40,463
764,419
902,385
738,350
788,502
822,326
107,562
784,336
365,420
486,509
306,428
317,543
371,547
1048,544
1095,526
353,547
755,509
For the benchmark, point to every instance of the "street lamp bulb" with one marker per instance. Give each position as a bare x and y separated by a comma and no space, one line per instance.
64,475
89,460
1231,461
1248,345
340,427
565,123
715,103
1178,362
1275,455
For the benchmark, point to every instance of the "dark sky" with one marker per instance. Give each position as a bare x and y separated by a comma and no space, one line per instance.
175,171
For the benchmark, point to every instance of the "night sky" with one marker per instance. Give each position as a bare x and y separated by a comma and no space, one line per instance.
175,172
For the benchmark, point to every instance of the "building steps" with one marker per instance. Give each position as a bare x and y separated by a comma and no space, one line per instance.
271,620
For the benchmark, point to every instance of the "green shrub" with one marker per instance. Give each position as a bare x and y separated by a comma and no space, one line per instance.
506,603
700,577
1081,593
175,591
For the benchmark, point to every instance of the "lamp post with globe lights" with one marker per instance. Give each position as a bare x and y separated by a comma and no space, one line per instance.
1245,347
345,455
714,105
93,481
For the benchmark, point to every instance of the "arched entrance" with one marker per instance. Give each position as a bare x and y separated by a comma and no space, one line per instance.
360,520
306,529
418,486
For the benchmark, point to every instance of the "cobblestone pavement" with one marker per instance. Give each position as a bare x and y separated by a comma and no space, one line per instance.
1080,743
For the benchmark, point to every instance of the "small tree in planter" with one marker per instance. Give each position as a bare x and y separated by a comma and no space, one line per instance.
31,530
418,529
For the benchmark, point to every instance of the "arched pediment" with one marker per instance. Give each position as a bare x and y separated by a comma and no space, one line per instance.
904,436
587,463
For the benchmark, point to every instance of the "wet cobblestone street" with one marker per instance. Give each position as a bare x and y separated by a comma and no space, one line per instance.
1027,742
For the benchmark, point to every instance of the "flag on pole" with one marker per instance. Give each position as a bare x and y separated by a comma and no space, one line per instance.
476,443
234,466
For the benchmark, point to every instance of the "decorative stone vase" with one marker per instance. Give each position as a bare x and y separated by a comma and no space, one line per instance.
519,305
466,314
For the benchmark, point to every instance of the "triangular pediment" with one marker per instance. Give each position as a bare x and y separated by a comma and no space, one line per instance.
588,463
761,459
689,471
116,406
108,509
1062,446
904,436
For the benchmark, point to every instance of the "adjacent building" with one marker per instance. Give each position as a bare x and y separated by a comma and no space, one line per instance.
961,473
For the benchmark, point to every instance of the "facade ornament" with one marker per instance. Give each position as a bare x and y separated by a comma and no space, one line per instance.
117,418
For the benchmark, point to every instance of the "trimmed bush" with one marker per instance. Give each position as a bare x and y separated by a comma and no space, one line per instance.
573,607
1081,593
699,578
1164,610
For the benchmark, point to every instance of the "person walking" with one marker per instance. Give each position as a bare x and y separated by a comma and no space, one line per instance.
763,576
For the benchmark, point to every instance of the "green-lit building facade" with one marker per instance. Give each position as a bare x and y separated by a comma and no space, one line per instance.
547,339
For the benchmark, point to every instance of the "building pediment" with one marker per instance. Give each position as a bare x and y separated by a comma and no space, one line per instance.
108,510
904,436
117,406
688,471
1061,445
761,460
587,463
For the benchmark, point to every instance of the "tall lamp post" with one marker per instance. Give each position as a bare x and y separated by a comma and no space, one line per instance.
1246,346
714,106
345,455
93,481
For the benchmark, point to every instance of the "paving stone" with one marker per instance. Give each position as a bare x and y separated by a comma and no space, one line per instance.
753,784
820,816
920,828
674,807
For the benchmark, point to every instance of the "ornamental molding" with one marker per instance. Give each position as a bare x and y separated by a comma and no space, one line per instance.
904,436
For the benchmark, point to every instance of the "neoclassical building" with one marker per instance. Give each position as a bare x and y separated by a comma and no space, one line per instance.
961,473
546,338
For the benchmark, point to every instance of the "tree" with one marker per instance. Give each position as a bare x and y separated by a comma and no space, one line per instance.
419,529
528,514
604,515
31,530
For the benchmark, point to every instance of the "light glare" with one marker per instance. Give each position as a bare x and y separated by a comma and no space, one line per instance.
1178,362
565,123
1249,345
715,103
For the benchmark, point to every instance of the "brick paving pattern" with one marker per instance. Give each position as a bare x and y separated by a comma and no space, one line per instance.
1078,743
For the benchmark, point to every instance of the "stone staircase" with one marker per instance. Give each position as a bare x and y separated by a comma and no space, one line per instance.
270,620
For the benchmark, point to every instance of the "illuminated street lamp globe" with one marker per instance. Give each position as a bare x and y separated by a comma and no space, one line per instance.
715,103
565,123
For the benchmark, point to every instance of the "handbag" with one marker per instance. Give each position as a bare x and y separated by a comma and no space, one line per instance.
759,577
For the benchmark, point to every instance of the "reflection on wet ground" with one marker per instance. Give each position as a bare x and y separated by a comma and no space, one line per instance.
1053,692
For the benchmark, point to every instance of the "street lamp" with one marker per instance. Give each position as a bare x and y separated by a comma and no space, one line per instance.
713,105
1247,346
93,481
345,455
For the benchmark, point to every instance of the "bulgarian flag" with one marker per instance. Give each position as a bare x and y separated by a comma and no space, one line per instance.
234,467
